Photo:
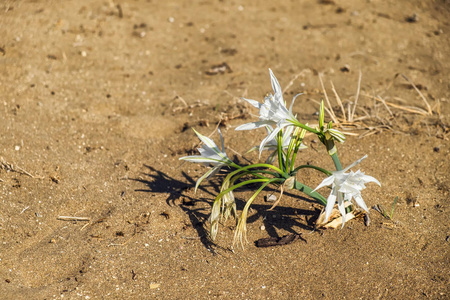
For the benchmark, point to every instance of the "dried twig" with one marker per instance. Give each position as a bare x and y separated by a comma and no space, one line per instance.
411,109
295,78
10,167
338,99
350,118
430,112
385,105
70,218
191,237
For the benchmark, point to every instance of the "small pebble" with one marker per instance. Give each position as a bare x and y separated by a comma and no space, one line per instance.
271,198
412,19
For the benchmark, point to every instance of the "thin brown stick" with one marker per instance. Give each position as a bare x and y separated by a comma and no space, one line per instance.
385,105
330,111
410,109
191,237
338,99
430,112
10,167
278,200
70,218
122,244
437,107
215,129
294,79
181,99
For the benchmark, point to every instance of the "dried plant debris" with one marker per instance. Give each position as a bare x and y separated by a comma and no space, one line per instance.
336,220
219,69
185,107
4,165
363,121
278,241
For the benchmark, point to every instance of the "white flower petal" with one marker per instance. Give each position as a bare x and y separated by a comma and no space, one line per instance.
215,170
268,138
331,200
327,181
355,163
359,200
206,140
293,100
221,139
341,207
253,125
201,179
368,179
275,85
201,159
253,102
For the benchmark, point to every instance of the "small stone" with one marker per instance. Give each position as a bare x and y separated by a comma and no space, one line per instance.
154,286
345,68
412,19
270,198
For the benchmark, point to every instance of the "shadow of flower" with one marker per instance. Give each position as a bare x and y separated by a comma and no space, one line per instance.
181,194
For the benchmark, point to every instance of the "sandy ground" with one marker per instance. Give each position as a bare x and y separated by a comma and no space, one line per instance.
97,102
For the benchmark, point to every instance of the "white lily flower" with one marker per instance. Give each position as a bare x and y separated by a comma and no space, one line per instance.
272,145
346,186
210,154
272,112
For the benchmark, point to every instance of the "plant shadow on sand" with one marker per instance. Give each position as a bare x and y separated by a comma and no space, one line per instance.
181,194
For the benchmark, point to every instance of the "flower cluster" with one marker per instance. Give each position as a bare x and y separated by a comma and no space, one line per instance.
284,139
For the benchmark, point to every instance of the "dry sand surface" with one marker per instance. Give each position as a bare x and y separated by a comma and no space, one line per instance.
97,101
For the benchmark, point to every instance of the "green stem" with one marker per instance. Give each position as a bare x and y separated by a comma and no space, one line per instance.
220,195
236,166
298,124
336,161
294,155
241,227
310,192
280,150
255,172
253,166
328,173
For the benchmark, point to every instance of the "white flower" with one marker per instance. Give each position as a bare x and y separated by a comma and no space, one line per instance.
272,145
346,186
210,154
272,112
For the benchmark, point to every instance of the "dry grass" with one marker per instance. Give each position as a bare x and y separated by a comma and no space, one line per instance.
360,122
